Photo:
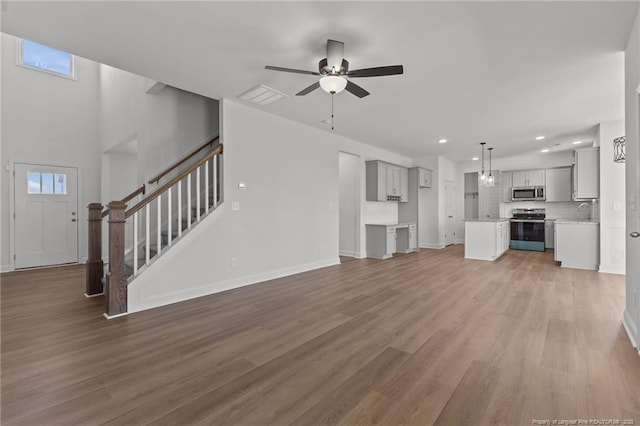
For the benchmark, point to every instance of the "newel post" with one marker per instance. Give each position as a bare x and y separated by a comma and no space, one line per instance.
116,288
94,267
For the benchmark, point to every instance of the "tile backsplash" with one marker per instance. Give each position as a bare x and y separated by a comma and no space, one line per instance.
565,210
381,212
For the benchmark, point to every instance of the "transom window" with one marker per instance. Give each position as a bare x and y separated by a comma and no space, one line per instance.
44,58
46,183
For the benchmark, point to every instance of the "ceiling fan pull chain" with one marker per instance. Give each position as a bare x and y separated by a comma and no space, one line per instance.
332,94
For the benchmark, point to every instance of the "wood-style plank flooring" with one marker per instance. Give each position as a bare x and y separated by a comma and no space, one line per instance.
424,338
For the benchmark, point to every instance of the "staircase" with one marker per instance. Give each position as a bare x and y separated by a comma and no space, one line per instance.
139,234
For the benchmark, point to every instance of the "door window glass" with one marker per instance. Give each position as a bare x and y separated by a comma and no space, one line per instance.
46,183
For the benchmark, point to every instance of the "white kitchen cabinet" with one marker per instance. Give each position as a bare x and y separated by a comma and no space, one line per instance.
558,184
586,173
386,182
404,184
506,179
407,238
485,239
528,178
578,244
425,177
391,240
549,234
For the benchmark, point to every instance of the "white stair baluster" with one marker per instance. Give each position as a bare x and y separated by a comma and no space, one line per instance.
198,193
179,208
206,186
135,244
169,235
215,181
189,201
147,242
159,224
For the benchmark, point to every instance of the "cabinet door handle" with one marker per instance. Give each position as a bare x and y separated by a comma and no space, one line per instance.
634,234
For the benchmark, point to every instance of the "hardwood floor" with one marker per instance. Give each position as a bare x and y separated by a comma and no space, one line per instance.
424,338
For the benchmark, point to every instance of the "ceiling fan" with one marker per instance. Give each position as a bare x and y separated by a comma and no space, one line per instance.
334,68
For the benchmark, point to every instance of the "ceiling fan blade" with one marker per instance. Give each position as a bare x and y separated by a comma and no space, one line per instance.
356,90
377,71
309,89
269,67
335,54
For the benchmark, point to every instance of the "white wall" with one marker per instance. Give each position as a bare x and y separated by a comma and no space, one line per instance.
51,120
632,178
288,217
612,201
166,124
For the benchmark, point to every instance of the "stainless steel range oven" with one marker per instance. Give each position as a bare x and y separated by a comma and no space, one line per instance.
527,229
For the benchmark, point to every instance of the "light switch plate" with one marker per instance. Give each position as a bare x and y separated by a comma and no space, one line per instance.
242,185
235,205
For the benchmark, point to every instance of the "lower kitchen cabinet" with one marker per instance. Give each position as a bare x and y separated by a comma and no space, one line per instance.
486,239
577,244
385,239
549,234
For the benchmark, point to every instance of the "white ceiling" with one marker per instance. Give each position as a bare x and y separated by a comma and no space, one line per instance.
474,71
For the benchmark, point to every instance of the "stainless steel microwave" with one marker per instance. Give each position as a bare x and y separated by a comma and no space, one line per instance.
528,193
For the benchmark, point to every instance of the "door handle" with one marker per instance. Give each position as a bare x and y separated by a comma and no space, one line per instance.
634,234
73,220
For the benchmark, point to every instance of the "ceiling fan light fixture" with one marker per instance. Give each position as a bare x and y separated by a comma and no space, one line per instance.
333,83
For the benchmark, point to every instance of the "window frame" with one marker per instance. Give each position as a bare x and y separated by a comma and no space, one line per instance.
20,61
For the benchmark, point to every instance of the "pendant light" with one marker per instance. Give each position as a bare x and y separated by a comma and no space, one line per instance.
483,176
490,179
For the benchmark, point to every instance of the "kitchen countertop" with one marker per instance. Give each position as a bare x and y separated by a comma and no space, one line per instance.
488,219
401,225
578,221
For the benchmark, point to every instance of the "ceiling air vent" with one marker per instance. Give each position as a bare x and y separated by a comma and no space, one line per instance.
262,95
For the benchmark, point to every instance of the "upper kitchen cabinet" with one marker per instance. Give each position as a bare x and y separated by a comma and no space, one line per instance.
425,177
558,184
386,182
507,184
528,178
586,173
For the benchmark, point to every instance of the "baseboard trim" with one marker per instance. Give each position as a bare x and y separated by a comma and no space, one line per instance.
5,268
348,253
432,246
631,330
107,316
89,296
608,269
144,303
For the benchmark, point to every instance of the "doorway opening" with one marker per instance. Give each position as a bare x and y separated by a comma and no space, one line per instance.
349,170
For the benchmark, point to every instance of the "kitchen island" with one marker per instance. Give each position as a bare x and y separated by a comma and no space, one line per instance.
486,239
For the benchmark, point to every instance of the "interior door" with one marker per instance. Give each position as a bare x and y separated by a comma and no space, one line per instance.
449,212
46,215
632,180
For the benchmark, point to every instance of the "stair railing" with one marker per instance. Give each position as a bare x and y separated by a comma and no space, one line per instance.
183,160
206,171
95,265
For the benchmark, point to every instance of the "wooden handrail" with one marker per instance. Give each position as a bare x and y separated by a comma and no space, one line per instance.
126,199
163,188
181,161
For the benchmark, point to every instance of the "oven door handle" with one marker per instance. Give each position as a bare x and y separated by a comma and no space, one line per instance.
527,220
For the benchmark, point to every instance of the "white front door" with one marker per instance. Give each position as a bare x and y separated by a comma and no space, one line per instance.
46,215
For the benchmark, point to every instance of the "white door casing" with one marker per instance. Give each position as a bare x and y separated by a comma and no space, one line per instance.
46,215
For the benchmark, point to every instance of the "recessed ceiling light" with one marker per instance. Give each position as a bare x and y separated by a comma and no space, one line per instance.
544,150
475,158
576,142
539,138
442,141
